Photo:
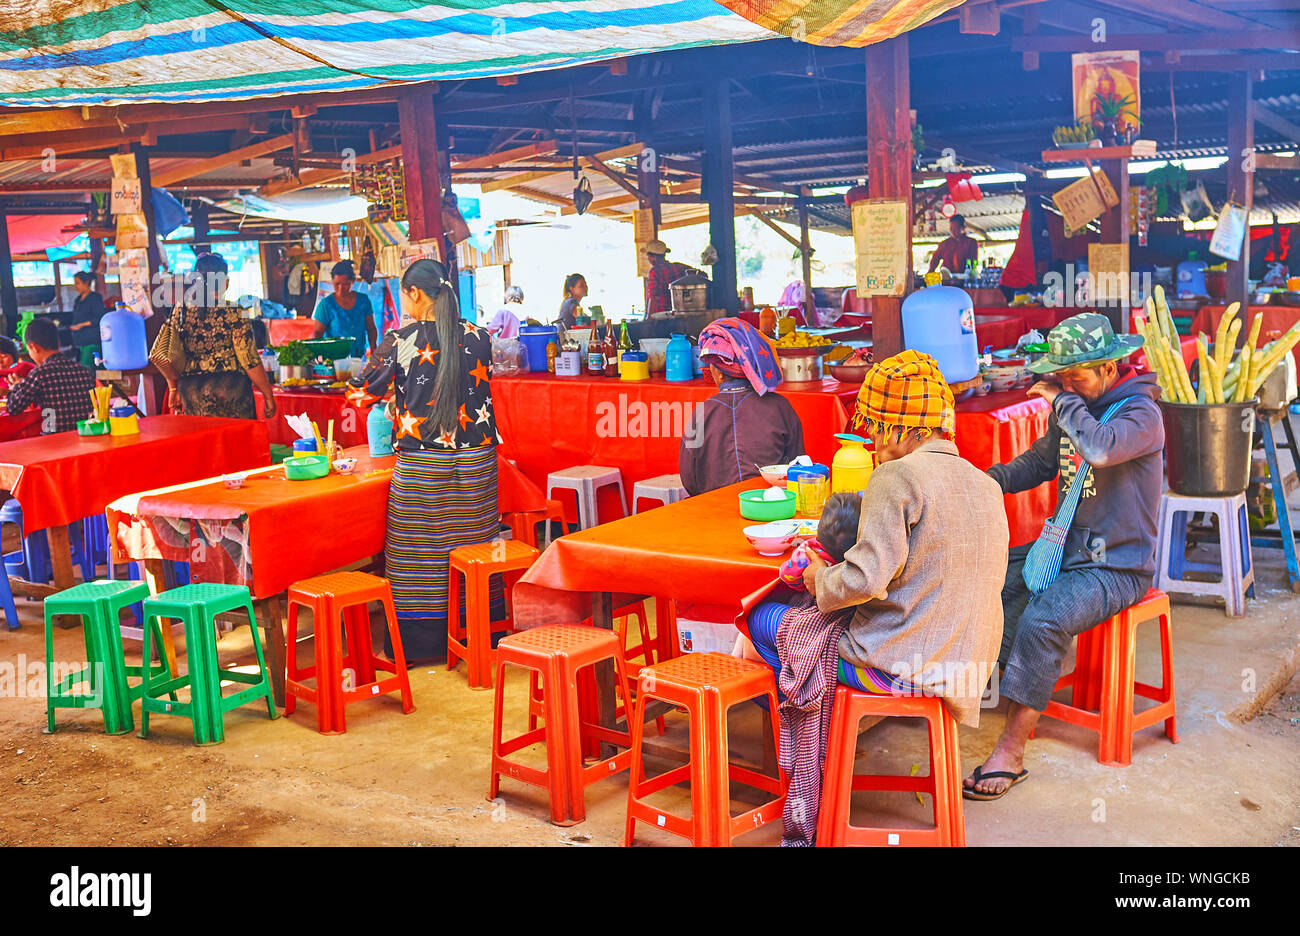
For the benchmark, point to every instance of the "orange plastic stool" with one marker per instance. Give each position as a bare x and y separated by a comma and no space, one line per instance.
943,784
472,641
558,652
706,685
1104,682
587,698
523,524
345,595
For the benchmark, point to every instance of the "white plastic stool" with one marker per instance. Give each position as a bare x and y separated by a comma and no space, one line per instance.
1235,566
667,489
585,481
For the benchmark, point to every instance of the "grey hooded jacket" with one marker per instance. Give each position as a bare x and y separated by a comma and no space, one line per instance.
1115,524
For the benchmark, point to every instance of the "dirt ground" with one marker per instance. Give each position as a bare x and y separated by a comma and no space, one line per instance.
421,779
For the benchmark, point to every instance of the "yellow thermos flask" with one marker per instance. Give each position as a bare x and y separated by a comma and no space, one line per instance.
851,467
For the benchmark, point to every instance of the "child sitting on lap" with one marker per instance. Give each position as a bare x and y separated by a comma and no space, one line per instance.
837,532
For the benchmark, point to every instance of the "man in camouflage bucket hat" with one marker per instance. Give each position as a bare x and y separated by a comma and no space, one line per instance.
1110,550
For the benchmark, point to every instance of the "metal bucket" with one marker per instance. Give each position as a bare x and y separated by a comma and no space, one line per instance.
1207,447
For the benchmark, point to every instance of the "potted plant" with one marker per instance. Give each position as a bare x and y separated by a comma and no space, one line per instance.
293,359
1109,113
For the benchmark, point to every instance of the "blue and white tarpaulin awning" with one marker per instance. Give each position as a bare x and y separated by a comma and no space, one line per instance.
90,52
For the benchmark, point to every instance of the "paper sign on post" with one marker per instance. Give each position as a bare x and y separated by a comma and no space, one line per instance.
880,239
1085,199
1229,233
126,196
643,232
1108,268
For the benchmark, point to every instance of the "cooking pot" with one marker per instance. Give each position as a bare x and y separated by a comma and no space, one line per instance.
690,293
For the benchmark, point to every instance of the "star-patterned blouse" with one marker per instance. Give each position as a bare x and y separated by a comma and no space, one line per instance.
407,361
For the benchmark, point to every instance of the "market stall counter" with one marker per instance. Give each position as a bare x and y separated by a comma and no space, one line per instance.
320,406
61,478
549,423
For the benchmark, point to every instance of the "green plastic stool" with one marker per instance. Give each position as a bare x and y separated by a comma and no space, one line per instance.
197,607
99,605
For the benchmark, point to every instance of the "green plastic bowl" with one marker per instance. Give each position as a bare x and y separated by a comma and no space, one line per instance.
306,467
329,348
92,427
754,507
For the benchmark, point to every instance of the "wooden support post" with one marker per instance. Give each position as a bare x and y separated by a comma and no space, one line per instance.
420,165
889,165
146,203
199,221
1115,230
1241,174
805,260
8,293
96,258
719,188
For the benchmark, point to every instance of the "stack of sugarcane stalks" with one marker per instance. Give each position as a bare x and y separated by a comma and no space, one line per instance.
1223,378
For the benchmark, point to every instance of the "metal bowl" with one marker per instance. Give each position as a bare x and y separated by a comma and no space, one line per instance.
849,373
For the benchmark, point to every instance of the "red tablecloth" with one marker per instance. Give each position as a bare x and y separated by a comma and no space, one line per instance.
548,423
349,422
996,428
1001,330
272,531
63,477
24,425
282,331
1277,318
693,551
1038,317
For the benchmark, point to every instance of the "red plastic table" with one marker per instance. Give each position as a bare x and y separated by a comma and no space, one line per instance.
23,425
273,532
1001,329
64,477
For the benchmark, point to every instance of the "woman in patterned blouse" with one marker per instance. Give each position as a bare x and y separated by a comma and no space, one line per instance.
221,362
444,488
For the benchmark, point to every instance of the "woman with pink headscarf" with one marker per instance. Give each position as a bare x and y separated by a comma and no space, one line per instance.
744,424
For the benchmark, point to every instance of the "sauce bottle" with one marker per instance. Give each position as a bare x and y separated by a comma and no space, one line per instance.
611,351
595,354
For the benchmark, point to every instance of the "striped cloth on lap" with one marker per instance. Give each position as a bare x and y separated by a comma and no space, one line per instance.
437,501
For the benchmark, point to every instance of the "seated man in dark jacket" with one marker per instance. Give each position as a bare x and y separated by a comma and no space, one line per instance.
1110,551
743,425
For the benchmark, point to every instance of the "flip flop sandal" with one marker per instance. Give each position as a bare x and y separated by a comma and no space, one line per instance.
978,775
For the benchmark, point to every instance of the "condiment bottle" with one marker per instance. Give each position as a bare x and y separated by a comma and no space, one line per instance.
551,352
595,354
611,351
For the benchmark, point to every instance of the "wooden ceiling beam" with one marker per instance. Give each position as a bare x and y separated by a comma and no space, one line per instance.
33,145
75,118
166,177
1163,42
492,160
321,176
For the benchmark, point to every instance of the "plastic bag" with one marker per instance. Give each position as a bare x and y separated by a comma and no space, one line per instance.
509,356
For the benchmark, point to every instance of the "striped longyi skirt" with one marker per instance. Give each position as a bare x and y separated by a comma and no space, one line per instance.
437,501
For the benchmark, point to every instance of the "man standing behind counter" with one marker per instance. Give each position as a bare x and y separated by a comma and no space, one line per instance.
956,249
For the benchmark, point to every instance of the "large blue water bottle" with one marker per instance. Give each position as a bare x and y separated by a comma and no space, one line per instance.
379,431
121,334
940,321
681,364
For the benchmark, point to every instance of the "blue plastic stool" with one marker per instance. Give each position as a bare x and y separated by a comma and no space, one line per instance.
36,564
1235,568
7,602
94,545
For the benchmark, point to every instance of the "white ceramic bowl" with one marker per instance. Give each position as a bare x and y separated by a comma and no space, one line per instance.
772,539
774,474
233,481
345,465
1004,381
